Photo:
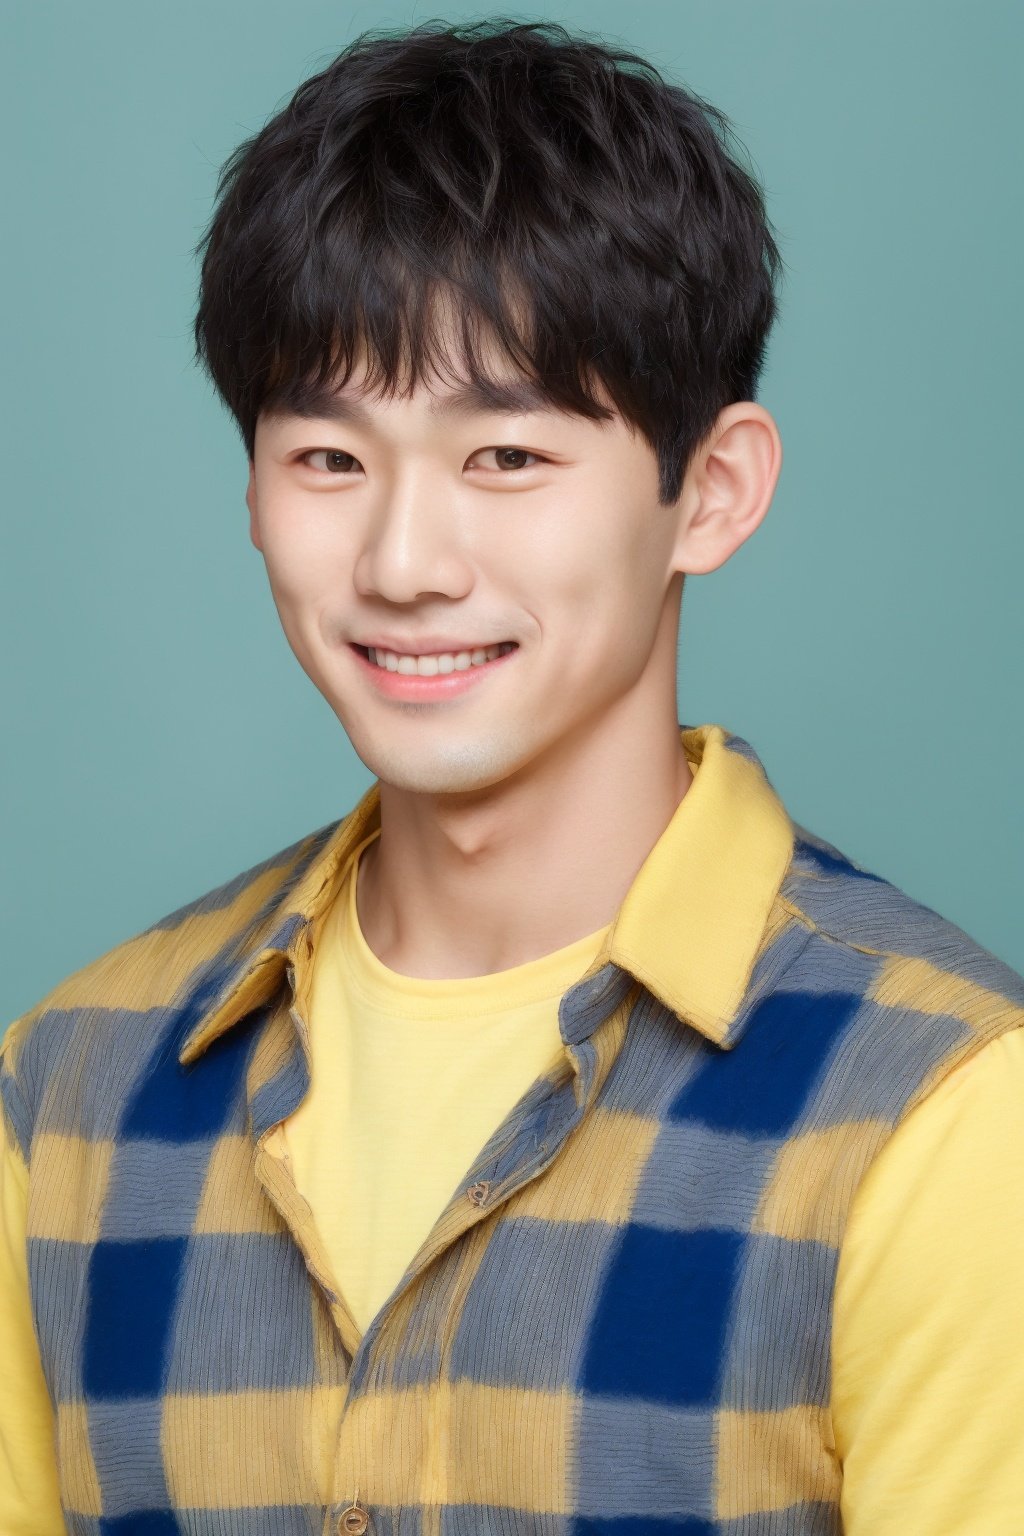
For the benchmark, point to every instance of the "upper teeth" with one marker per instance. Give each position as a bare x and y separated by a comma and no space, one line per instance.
445,661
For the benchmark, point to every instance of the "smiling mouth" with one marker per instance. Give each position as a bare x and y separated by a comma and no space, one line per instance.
470,648
435,664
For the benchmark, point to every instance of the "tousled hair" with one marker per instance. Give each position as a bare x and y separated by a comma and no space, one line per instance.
536,189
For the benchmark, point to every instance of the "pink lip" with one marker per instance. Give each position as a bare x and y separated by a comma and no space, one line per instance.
445,685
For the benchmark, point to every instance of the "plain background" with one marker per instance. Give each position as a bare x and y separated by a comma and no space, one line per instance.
158,734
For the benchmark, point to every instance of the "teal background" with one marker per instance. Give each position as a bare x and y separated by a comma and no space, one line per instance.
158,734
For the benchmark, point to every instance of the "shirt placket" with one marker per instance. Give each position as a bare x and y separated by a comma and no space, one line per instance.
521,1149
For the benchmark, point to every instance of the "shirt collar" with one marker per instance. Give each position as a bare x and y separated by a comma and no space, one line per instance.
690,927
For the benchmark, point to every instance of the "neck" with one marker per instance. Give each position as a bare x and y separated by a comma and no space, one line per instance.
531,865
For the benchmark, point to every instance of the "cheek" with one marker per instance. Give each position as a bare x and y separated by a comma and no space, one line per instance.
300,561
607,576
616,608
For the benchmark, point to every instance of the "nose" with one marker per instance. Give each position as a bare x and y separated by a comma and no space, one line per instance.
415,546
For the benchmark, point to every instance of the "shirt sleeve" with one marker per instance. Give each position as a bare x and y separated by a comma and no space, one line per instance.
29,1488
928,1366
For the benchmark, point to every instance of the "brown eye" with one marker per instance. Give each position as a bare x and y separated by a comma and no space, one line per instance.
511,458
337,461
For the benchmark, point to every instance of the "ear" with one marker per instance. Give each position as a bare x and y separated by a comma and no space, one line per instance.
250,501
728,488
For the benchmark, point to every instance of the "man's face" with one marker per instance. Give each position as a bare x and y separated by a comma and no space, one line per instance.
429,532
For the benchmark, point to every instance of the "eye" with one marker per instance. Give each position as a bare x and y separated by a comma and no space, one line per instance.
505,454
339,463
337,460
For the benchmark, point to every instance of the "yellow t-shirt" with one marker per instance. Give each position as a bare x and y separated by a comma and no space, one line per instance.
409,1079
928,1380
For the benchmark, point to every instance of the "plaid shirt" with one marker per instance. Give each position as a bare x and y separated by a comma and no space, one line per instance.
621,1320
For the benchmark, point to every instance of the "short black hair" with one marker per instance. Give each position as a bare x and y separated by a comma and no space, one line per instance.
557,192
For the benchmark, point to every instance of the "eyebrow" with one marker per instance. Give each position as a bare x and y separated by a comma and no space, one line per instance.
506,397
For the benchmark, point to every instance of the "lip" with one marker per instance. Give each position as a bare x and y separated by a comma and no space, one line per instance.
427,645
444,685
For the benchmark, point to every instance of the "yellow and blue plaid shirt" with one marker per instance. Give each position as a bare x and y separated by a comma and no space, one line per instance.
622,1317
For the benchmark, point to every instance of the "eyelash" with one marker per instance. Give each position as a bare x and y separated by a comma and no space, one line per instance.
498,448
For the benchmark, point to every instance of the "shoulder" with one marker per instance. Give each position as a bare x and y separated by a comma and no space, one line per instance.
122,997
913,960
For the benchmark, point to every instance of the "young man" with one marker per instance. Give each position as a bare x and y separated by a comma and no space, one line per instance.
563,1139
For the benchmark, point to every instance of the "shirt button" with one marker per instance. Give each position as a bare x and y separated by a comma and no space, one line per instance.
478,1192
353,1521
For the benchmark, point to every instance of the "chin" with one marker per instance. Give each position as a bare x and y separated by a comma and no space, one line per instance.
454,768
